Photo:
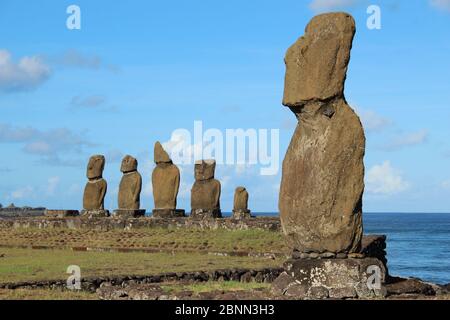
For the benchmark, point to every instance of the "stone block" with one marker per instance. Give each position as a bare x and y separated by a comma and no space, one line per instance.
332,278
168,213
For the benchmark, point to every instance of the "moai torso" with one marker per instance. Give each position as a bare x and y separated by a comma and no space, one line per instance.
165,180
95,190
240,199
130,185
205,193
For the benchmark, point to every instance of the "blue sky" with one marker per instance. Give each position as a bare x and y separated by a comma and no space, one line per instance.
138,70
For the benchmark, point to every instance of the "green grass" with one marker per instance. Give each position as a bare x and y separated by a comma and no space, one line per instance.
181,239
215,285
40,294
27,264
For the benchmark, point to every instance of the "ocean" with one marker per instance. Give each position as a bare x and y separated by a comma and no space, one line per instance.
418,244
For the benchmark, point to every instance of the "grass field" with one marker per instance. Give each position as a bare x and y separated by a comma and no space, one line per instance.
182,239
40,294
169,288
27,264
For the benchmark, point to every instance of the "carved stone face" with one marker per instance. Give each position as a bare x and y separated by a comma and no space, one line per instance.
129,164
204,169
95,167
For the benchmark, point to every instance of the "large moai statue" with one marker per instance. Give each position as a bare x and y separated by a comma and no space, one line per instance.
323,171
166,183
205,193
322,184
240,204
129,198
95,190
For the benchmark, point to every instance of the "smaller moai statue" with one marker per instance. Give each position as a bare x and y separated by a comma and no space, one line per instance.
240,206
129,190
205,193
95,190
166,183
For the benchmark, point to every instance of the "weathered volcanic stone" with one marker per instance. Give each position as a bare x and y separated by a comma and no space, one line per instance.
130,185
166,183
95,190
205,193
240,206
165,180
61,213
322,183
334,278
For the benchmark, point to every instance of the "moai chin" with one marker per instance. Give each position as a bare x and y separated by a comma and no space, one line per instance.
95,190
166,183
129,190
240,204
205,193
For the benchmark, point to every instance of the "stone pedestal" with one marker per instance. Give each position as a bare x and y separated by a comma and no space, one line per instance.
205,214
336,276
95,213
62,213
348,278
129,213
168,213
241,214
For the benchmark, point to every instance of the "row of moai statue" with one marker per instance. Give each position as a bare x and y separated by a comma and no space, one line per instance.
205,193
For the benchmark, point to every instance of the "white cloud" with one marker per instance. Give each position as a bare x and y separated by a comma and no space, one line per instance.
373,121
52,184
88,101
323,5
383,179
441,4
446,185
26,74
147,190
75,59
74,189
407,140
21,193
114,156
48,144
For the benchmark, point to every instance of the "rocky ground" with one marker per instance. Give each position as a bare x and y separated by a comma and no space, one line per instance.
399,289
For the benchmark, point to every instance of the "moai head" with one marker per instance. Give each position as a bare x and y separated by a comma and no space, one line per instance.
316,65
129,164
240,190
95,167
204,169
160,155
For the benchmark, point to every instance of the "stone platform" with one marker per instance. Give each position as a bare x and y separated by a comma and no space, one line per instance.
337,276
62,213
168,213
95,213
205,214
124,213
241,214
121,223
332,278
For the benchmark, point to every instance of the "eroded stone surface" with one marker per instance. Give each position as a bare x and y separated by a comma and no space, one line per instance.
95,190
130,185
334,278
322,183
205,193
240,204
165,182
